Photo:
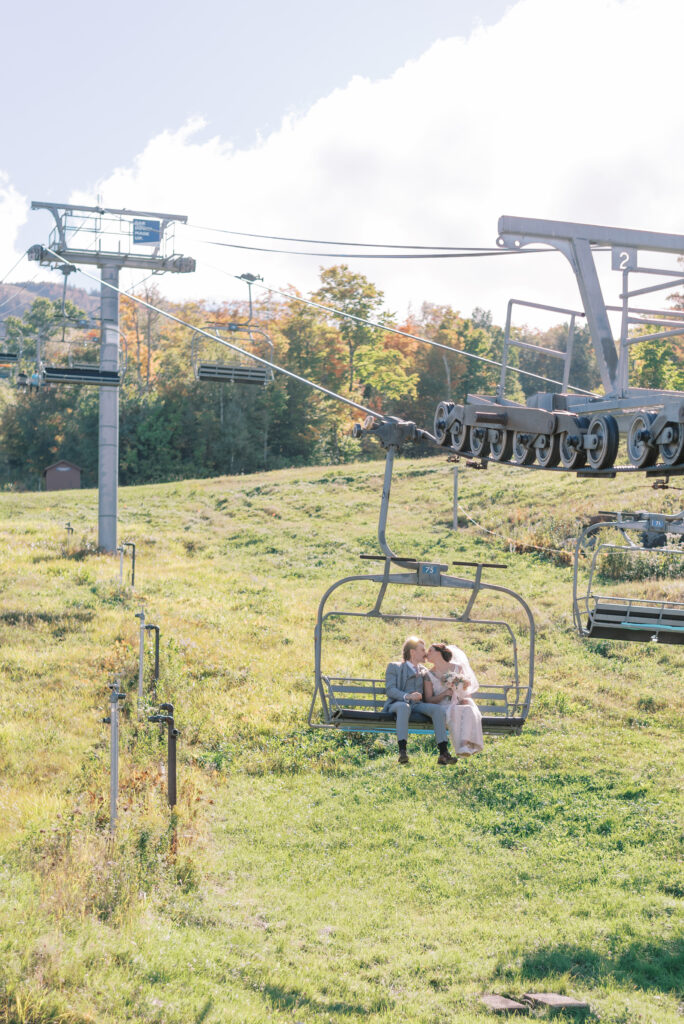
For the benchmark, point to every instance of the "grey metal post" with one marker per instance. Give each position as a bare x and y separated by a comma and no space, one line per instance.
171,754
69,530
168,720
131,545
141,654
109,412
113,720
455,497
122,551
156,649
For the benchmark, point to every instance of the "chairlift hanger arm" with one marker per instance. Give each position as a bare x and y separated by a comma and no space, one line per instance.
393,432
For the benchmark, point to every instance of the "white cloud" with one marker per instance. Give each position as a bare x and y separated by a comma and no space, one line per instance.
566,109
13,214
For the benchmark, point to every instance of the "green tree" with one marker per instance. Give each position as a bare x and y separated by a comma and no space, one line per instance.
383,374
356,296
655,364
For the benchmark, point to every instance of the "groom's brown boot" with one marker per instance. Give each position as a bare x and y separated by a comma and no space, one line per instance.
444,755
403,756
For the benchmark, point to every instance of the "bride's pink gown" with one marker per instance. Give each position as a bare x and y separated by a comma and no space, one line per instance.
464,719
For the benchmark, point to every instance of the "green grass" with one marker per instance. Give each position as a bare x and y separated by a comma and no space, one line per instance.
305,876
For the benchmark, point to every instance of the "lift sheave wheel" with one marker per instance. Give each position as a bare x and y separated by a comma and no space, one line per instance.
548,451
641,449
441,426
672,452
501,445
523,450
460,437
479,442
604,430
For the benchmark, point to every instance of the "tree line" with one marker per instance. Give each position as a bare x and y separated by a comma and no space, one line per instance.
173,426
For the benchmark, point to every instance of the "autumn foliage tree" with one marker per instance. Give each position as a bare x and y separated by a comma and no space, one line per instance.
173,426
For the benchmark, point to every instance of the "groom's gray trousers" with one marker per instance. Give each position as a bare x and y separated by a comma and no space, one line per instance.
401,710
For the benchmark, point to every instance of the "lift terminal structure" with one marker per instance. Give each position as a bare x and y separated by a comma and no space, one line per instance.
581,431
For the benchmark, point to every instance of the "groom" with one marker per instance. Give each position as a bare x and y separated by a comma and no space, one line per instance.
404,689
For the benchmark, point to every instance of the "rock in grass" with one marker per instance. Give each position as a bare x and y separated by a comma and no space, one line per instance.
555,1001
501,1004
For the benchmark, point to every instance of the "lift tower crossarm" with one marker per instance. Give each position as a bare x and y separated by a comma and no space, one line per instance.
575,242
153,264
181,217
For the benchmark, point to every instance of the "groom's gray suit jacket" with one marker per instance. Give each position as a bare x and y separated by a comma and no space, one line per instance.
400,679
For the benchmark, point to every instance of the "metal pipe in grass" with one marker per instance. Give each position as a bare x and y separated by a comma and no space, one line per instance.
167,719
122,550
113,721
141,654
150,626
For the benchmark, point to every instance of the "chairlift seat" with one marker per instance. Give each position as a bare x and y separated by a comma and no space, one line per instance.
637,622
357,705
81,375
8,358
234,373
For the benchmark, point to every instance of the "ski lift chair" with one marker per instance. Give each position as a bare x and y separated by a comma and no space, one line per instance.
236,367
79,372
8,362
615,616
354,703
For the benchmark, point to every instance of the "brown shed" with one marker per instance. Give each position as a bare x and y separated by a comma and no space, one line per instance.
62,476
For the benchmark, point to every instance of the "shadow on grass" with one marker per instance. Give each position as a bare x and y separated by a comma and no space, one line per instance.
283,998
648,965
26,618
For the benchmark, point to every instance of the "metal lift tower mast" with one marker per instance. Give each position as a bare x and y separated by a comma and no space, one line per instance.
111,240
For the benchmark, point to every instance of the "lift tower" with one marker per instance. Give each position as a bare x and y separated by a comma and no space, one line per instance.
111,240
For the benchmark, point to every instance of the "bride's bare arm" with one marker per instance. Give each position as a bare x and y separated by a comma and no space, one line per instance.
429,695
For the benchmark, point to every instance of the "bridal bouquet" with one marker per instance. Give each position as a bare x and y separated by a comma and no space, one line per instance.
456,679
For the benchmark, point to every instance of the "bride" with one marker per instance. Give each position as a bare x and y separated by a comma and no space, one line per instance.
451,682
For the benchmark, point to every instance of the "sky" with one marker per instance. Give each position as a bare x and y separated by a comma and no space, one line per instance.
379,121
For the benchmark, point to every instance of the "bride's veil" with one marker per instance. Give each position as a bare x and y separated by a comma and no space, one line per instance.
460,661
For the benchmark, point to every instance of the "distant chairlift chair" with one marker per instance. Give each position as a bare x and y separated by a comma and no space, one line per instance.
8,362
616,617
79,373
234,368
355,704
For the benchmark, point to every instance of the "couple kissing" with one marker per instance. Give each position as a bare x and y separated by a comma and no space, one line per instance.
442,692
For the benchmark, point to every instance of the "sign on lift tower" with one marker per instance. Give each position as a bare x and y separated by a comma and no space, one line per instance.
111,240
